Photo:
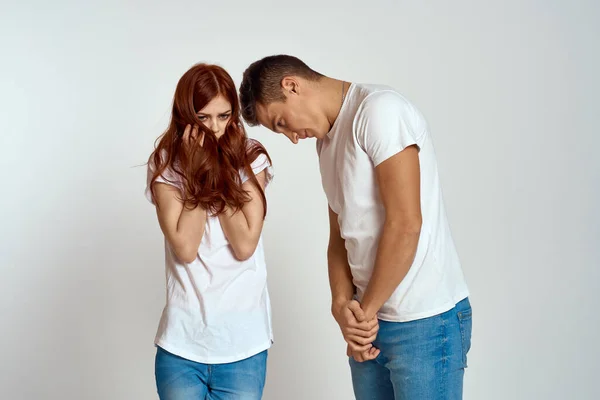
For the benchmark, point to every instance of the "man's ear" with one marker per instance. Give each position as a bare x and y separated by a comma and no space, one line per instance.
290,85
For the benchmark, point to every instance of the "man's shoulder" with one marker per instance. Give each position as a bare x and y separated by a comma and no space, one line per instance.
384,108
377,96
382,102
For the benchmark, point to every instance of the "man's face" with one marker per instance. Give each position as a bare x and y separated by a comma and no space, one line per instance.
298,117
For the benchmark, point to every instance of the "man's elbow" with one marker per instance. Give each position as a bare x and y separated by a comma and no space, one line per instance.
335,250
406,225
414,226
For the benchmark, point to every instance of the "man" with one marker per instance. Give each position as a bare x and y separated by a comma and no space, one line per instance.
398,291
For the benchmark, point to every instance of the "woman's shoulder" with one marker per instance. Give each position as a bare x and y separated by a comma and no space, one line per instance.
169,173
256,152
258,158
252,143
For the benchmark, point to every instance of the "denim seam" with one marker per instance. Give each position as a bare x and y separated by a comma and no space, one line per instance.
444,359
461,324
462,337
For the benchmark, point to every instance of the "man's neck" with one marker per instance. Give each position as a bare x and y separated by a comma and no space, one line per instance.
331,97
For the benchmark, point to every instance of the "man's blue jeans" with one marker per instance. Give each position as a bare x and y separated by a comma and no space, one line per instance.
419,360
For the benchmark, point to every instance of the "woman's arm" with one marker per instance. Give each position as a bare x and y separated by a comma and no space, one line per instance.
183,227
243,228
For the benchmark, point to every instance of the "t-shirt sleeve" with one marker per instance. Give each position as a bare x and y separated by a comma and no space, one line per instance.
260,164
386,125
168,177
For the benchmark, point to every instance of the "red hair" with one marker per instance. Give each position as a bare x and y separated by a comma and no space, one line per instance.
214,182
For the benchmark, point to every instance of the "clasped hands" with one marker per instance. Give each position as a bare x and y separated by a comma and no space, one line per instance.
359,331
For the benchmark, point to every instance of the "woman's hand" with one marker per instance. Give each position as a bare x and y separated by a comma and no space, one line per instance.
191,137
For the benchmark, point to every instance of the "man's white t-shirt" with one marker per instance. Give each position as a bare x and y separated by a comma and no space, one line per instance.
218,308
375,123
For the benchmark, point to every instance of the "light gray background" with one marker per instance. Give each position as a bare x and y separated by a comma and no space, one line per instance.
509,89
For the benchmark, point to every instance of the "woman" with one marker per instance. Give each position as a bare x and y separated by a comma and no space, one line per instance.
207,180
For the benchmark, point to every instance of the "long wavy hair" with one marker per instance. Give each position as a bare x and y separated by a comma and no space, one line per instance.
209,174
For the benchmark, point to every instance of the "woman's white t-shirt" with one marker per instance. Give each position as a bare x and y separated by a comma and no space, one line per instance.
218,308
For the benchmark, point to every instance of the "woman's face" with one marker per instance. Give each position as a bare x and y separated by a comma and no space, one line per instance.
216,115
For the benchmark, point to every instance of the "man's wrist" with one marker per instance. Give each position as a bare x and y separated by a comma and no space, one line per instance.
340,300
369,309
338,303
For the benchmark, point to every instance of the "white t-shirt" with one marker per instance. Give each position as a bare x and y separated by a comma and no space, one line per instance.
375,123
218,308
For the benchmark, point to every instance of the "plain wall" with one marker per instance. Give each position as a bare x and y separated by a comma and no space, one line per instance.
509,90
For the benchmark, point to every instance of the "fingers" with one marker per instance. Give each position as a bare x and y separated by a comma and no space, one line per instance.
369,325
366,326
359,333
191,135
355,347
186,134
363,333
359,314
351,322
351,319
359,340
368,355
362,340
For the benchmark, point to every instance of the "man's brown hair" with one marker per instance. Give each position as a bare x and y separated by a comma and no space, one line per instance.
262,82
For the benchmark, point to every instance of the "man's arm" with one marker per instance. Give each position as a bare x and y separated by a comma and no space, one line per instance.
347,312
340,277
398,178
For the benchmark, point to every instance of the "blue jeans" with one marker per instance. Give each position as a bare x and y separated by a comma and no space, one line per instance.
181,379
419,360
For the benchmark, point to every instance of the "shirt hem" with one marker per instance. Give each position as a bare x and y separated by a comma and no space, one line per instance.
425,314
393,151
213,360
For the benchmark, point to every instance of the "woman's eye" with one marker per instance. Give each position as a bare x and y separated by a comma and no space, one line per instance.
224,117
202,119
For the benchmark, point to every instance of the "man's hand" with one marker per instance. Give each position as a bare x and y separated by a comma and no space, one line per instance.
368,355
358,332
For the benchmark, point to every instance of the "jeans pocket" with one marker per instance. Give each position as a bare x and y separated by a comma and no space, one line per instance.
465,320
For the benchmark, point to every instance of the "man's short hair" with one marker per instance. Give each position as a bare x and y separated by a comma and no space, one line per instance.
261,83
